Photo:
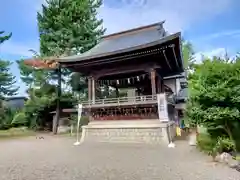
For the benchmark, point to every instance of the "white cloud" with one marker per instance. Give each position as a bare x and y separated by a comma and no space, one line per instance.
218,52
13,48
179,16
229,33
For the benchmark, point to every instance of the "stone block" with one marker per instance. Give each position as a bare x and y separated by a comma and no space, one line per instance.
144,133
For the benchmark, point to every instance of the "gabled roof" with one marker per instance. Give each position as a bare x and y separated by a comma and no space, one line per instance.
121,42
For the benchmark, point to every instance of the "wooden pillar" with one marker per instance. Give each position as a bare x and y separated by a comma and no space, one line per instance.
153,80
162,86
159,84
117,92
89,89
58,108
93,90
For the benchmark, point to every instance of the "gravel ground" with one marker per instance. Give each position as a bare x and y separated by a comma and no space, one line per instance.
55,158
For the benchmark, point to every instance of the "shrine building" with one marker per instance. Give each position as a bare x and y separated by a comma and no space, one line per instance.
144,62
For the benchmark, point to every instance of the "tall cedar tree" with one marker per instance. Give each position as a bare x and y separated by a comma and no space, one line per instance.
7,80
66,27
69,27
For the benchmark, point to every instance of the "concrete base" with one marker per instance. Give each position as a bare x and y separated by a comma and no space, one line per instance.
130,131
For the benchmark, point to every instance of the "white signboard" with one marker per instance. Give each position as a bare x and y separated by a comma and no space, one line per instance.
162,107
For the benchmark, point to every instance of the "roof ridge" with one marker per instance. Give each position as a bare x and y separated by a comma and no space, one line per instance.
133,30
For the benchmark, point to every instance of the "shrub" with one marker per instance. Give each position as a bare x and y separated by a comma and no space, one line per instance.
213,146
6,117
215,96
19,119
224,144
206,144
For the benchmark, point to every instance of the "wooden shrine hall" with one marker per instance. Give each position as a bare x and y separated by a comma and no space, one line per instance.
137,61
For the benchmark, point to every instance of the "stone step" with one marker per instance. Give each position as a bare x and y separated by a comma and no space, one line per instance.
147,134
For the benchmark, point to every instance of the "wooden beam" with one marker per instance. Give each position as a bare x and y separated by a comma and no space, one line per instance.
123,70
160,85
174,54
153,80
117,92
93,90
165,56
89,88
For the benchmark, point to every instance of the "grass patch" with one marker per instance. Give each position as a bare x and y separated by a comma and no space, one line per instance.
16,132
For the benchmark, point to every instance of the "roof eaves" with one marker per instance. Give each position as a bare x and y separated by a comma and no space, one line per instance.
134,30
82,57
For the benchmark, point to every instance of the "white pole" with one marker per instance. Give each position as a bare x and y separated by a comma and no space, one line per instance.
71,130
78,123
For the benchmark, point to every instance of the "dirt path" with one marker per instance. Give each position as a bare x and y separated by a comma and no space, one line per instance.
55,158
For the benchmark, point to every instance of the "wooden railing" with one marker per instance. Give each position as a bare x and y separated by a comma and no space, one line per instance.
137,100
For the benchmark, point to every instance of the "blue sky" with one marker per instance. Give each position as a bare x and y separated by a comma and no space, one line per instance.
212,26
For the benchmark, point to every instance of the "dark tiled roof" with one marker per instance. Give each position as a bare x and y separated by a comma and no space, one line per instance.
15,102
15,98
121,41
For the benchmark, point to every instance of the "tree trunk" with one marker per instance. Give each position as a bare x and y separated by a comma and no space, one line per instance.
58,109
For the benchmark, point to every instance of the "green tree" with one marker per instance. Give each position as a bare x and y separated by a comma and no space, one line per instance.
69,26
7,80
7,86
188,55
4,37
215,98
66,27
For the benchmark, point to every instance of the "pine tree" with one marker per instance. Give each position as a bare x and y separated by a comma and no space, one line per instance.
69,26
7,87
7,80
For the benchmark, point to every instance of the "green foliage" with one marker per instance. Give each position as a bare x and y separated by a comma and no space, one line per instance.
31,76
66,27
16,132
225,145
188,55
19,119
7,87
69,26
206,144
5,37
214,98
79,84
6,117
7,80
213,146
